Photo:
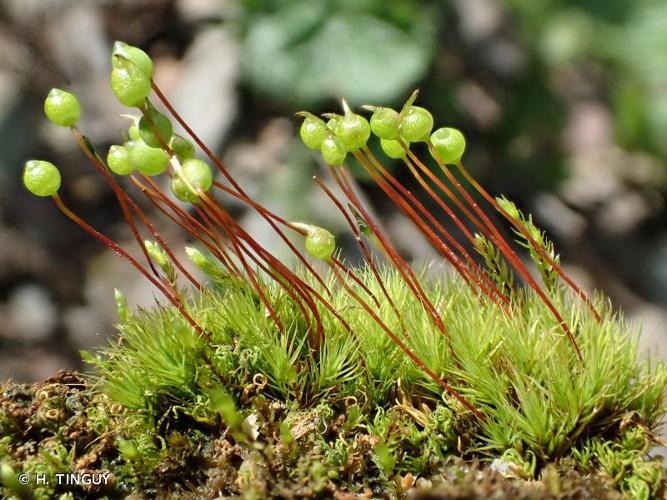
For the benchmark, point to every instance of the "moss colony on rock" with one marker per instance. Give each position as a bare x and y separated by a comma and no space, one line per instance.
260,380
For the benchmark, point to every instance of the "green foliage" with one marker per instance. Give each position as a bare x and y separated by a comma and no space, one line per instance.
625,36
519,370
311,50
209,265
625,464
496,265
160,257
546,270
172,409
162,370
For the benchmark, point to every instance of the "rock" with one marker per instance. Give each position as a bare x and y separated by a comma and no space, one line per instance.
31,314
206,93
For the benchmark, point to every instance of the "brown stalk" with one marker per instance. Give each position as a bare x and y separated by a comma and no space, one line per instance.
536,246
269,216
171,295
403,268
456,220
450,390
223,219
350,274
187,222
124,200
217,252
364,248
509,253
473,272
240,193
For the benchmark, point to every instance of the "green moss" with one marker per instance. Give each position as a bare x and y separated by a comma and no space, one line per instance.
355,415
360,393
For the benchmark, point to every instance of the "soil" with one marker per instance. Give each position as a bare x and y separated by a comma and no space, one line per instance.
65,413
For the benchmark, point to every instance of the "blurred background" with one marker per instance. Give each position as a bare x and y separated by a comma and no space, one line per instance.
564,104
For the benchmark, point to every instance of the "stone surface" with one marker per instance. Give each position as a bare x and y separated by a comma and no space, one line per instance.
31,314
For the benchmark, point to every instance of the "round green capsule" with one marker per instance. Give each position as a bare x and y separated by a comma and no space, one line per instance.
333,151
130,85
392,149
197,174
121,53
313,131
415,124
62,108
384,123
182,147
160,123
320,243
333,124
118,160
147,160
449,143
41,178
353,131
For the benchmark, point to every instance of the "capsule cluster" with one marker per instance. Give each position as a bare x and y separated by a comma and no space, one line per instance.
150,142
337,137
396,130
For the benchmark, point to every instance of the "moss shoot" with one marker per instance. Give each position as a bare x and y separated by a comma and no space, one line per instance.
252,412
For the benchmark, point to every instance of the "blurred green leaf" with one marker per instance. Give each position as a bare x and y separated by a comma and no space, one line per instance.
638,49
310,51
